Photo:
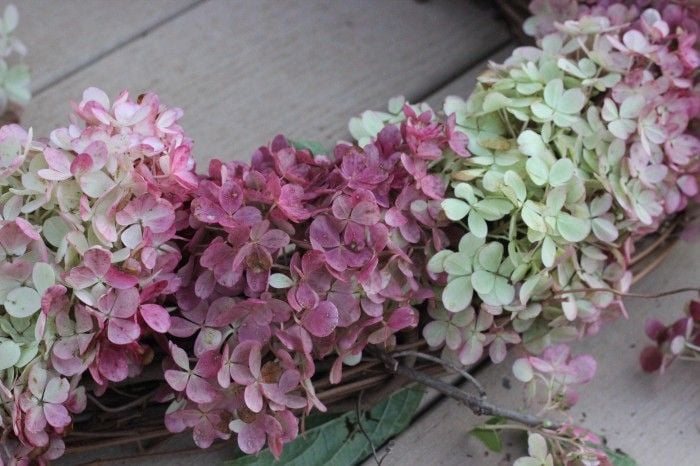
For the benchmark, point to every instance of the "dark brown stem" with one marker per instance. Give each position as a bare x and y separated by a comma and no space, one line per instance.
478,405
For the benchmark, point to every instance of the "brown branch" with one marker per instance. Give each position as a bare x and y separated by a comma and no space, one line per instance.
442,362
479,406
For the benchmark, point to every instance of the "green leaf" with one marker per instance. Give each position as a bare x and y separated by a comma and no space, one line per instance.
314,147
339,441
489,437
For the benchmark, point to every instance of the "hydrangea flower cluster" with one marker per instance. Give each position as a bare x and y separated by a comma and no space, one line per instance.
580,146
15,89
295,258
88,219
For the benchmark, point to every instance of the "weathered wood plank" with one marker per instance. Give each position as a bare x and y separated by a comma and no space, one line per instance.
652,418
64,36
245,71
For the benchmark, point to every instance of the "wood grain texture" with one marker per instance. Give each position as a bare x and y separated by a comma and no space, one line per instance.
67,35
245,71
655,419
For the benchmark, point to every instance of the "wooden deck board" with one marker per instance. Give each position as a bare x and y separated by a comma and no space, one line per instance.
245,71
67,35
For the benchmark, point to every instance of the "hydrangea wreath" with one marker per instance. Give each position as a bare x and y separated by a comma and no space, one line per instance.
506,222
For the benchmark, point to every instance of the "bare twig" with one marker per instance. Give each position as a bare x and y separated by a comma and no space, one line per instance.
478,405
447,364
124,407
628,295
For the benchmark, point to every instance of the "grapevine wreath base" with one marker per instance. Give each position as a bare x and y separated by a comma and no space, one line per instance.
141,298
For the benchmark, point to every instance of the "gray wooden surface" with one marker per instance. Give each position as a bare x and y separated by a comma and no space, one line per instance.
247,70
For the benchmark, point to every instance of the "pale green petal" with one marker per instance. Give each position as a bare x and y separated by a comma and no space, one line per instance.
458,293
572,228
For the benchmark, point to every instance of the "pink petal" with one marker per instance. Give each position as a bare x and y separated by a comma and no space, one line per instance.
251,439
342,207
403,317
81,277
57,415
199,390
58,161
122,331
160,217
231,197
208,364
177,379
322,320
205,284
253,398
182,328
35,421
56,390
81,164
112,364
365,213
119,303
290,202
179,356
180,420
156,317
323,234
98,260
207,211
119,279
274,240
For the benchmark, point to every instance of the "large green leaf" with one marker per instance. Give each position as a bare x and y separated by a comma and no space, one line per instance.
339,441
